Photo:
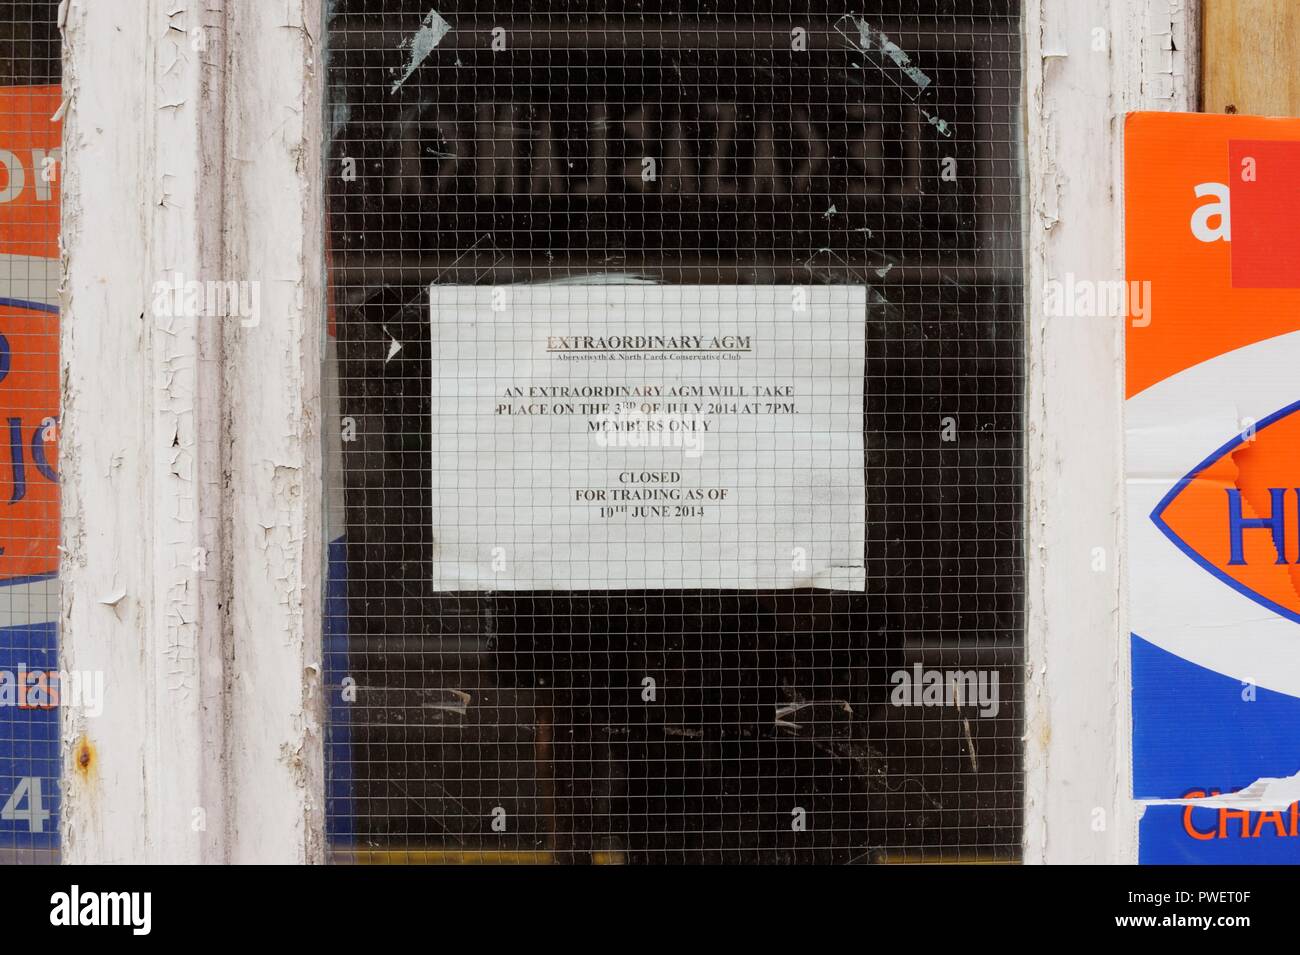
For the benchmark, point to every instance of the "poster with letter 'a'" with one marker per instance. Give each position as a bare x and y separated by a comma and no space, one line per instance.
1212,463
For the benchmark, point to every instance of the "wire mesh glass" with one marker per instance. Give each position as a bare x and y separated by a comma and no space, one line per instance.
483,146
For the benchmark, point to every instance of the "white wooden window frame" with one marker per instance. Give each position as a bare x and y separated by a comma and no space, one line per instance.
1087,64
191,463
192,540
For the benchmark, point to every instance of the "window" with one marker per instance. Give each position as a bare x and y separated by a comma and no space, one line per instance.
510,147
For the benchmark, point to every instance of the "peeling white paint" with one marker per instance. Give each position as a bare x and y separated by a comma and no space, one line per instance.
1167,60
139,450
274,529
421,44
182,435
1077,748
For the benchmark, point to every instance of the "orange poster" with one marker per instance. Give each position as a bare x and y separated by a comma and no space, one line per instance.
30,170
1212,458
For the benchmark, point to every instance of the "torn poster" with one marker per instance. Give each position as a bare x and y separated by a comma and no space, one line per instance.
1213,462
619,437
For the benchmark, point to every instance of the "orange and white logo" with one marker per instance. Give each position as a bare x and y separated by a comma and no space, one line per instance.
1237,513
1212,416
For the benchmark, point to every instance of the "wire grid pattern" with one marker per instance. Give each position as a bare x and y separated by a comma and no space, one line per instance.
29,405
883,153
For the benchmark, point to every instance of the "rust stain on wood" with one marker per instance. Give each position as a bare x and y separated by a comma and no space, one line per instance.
85,758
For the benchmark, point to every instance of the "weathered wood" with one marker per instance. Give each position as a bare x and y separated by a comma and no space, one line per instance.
190,459
275,536
1251,49
1087,63
140,468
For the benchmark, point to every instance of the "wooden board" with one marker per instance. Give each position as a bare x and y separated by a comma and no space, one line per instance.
1250,50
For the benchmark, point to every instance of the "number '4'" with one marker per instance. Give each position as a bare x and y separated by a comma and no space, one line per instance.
35,814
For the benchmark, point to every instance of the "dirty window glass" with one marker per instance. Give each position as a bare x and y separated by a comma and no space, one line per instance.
801,642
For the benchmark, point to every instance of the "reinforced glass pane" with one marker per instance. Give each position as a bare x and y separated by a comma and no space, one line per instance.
826,664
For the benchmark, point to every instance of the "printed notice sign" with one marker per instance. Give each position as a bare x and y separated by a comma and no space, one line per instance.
623,437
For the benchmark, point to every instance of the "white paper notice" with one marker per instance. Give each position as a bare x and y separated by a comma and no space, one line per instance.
626,437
